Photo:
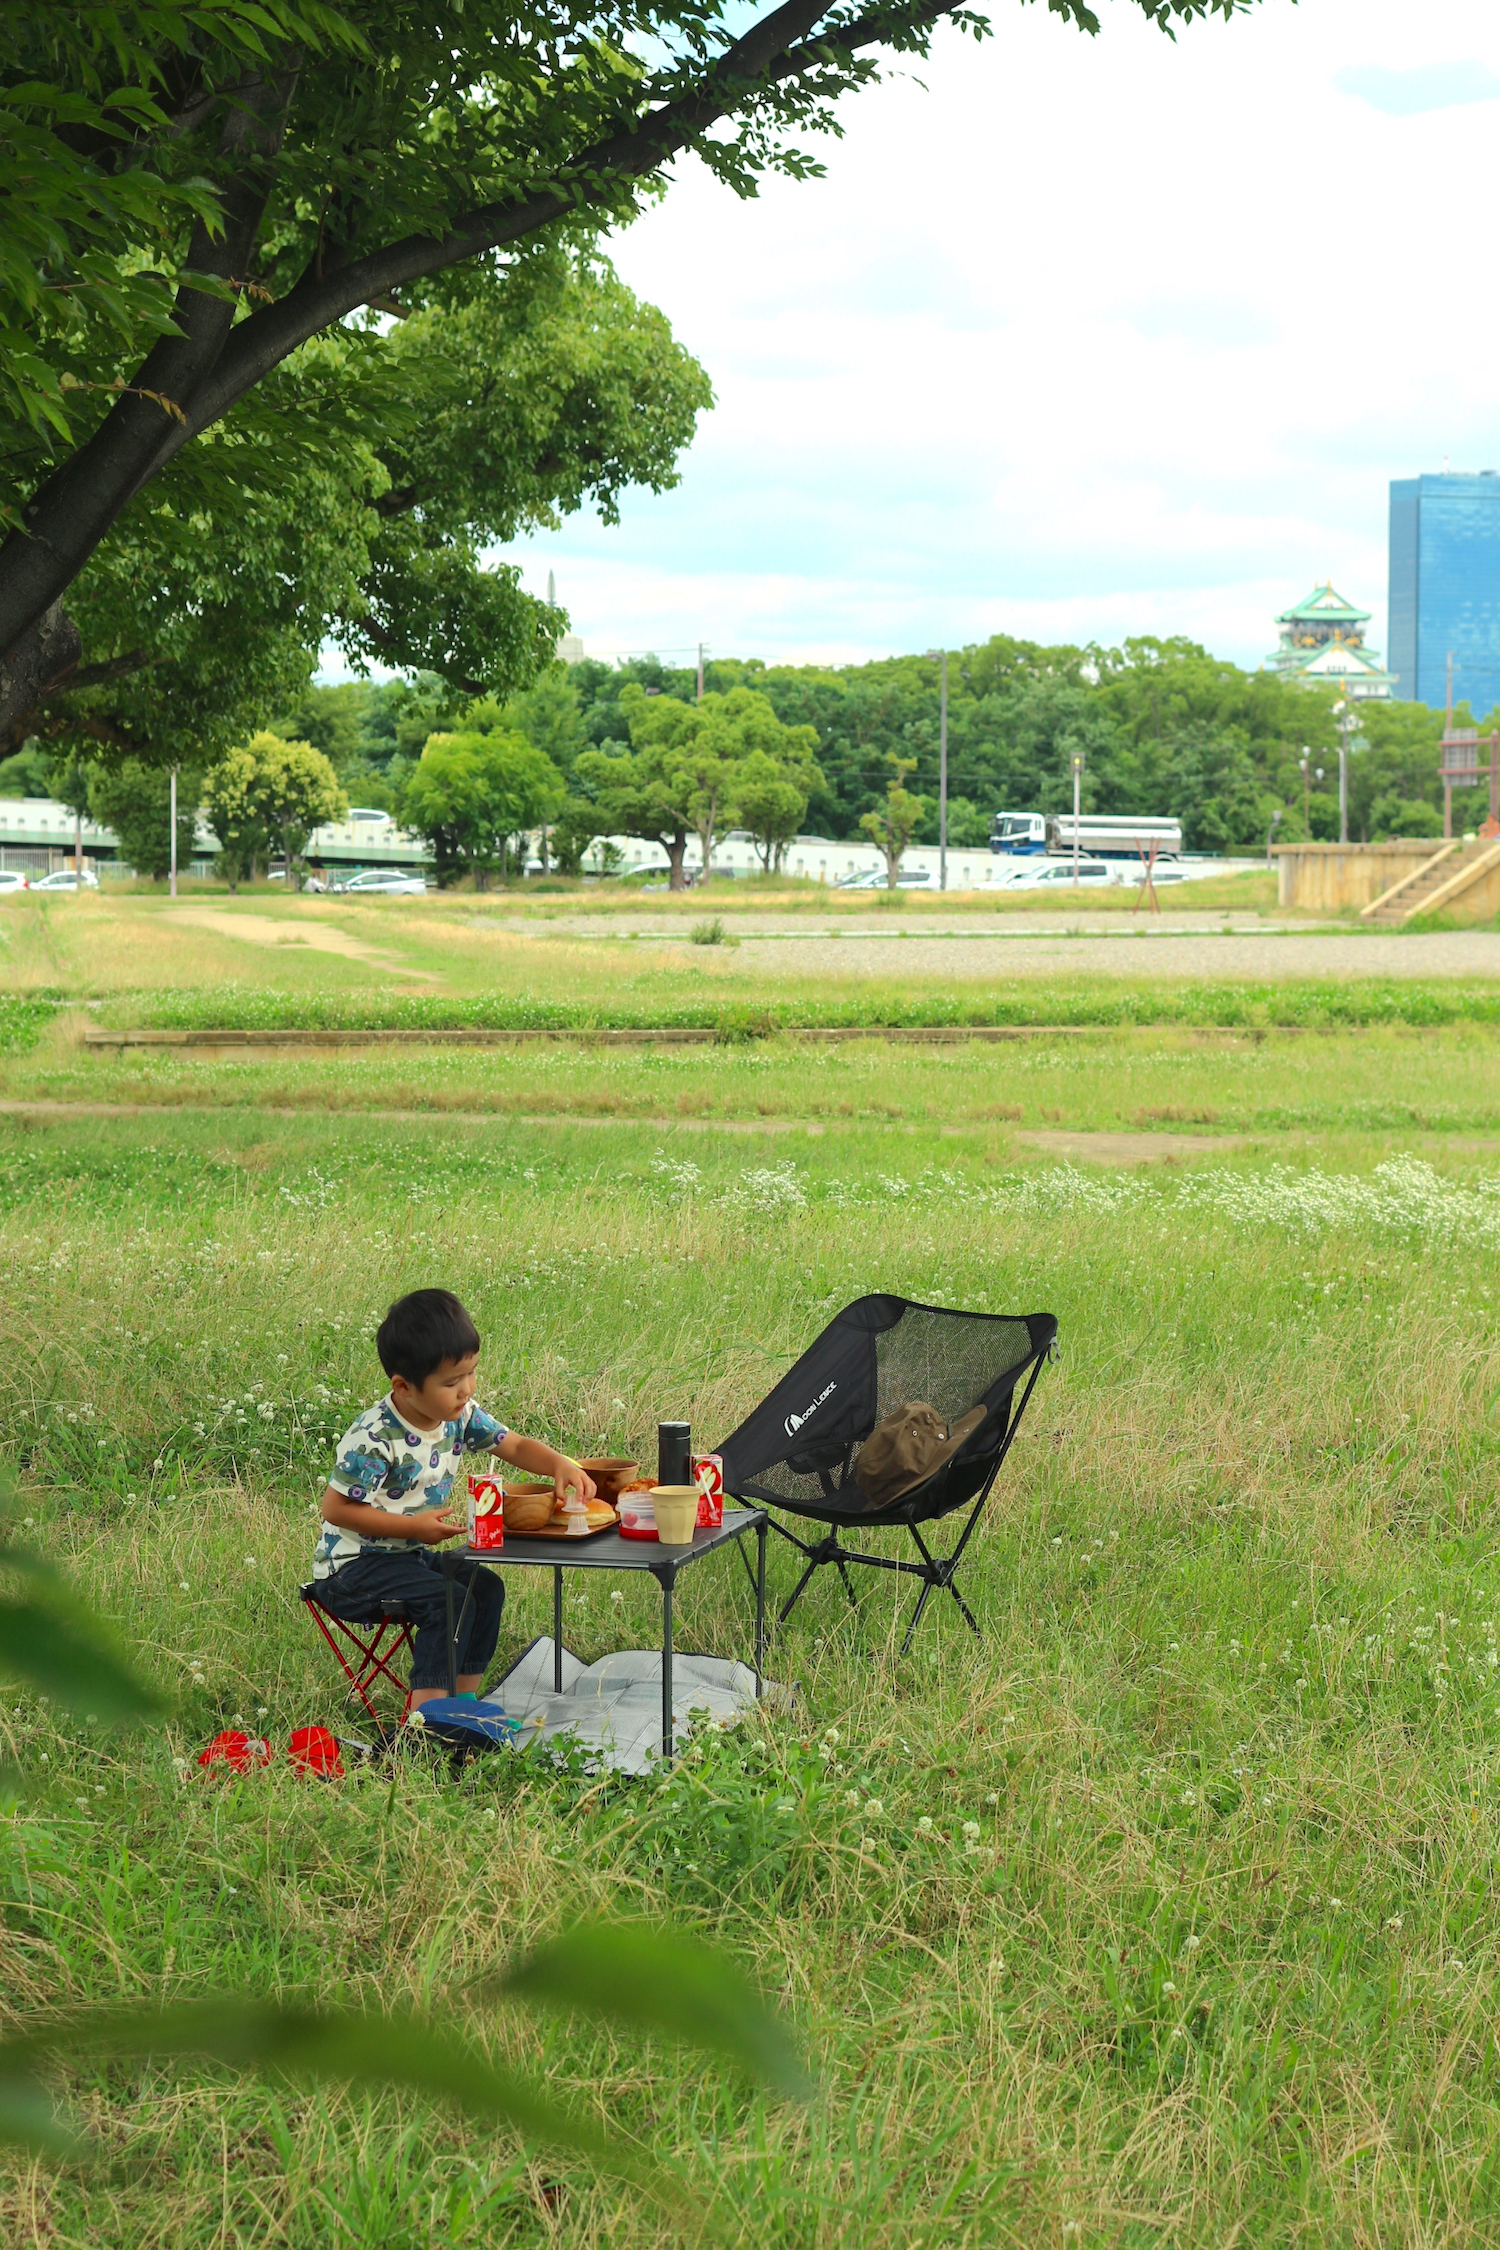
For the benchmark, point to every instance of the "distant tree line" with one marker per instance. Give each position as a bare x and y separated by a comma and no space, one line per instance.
849,752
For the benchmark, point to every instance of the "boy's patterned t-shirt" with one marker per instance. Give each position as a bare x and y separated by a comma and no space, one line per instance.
388,1463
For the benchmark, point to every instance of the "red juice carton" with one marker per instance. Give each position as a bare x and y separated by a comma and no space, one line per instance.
486,1513
708,1476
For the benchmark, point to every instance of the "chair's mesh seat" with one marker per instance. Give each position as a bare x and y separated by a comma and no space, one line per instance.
799,1447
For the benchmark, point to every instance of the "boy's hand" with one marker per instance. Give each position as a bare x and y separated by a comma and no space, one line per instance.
431,1527
569,1473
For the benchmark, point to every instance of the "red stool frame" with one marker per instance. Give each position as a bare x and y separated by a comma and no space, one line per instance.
390,1634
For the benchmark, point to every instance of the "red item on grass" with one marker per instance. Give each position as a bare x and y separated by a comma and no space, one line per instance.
313,1750
239,1752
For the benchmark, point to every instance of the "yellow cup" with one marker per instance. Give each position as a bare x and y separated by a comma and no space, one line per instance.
676,1513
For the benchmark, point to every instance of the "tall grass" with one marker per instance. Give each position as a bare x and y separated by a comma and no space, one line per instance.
1159,1914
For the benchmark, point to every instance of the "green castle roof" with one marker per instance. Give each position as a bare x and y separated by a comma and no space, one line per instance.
1324,607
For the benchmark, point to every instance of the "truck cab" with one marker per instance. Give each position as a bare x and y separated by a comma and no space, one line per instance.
1018,832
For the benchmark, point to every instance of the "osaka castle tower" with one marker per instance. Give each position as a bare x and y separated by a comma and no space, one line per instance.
1323,643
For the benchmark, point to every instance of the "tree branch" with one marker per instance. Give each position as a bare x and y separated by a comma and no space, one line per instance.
65,520
213,363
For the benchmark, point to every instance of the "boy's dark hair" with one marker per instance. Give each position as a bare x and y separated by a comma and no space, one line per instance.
421,1330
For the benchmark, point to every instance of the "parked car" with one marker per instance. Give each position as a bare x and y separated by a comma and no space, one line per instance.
66,879
384,882
12,880
1047,874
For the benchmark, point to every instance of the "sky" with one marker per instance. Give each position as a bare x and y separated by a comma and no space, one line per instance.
1078,338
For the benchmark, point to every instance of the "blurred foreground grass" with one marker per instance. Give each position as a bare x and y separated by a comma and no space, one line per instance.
1164,1913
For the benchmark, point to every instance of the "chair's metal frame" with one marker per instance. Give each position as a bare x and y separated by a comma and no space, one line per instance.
392,1632
933,1570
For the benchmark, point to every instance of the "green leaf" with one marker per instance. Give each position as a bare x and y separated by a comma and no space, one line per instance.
60,1648
29,2120
660,1982
353,2048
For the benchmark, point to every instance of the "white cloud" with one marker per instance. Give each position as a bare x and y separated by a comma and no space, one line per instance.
1090,337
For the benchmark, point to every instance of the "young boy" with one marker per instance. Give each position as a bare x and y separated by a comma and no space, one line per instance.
396,1470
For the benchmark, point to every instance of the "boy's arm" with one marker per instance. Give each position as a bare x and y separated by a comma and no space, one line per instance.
429,1528
545,1461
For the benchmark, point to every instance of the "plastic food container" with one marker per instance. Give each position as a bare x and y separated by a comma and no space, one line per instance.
637,1514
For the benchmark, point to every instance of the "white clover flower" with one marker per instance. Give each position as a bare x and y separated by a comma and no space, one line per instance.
874,1810
262,1711
1169,1987
46,1757
851,1799
617,1598
1336,1904
1393,1921
971,1828
1191,1944
183,1586
924,1826
992,1797
831,1737
250,1562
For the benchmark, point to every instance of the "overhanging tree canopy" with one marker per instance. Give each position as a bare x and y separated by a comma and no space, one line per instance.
199,187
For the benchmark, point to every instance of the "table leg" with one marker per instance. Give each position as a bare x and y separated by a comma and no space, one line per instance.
557,1632
447,1562
667,1748
760,1609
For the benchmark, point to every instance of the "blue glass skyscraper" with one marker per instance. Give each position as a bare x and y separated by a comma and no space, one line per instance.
1445,589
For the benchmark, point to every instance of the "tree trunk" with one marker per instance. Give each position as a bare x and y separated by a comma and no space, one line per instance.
44,657
675,847
892,852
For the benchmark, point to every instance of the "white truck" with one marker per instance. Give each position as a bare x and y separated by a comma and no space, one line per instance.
1100,835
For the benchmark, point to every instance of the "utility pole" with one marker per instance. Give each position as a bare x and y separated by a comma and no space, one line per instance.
1077,762
1346,722
943,779
172,816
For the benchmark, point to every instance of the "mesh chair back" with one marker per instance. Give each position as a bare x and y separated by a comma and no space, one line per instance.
798,1448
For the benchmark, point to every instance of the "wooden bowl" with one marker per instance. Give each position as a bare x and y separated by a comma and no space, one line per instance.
609,1472
528,1507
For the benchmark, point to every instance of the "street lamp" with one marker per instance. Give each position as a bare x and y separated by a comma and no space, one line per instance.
1270,832
942,653
1346,720
1309,773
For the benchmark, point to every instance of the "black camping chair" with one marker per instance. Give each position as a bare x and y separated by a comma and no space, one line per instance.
799,1450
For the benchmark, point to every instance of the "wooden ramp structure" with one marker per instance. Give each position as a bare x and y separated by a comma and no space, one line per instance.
1454,868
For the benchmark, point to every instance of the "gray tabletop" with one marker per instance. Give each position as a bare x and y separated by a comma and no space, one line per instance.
607,1550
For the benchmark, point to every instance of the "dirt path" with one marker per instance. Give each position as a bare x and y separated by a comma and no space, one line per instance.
267,929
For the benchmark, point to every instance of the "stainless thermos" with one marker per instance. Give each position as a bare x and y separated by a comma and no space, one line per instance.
673,1453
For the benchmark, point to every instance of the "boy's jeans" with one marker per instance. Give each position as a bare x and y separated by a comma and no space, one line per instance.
360,1585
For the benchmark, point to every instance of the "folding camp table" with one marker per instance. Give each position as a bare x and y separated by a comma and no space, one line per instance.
608,1550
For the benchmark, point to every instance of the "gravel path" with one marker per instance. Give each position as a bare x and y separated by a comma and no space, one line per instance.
1243,956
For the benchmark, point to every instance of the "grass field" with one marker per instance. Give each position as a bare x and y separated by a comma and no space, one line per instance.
1162,1915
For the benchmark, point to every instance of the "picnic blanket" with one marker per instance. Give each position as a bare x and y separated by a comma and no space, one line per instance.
612,1708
